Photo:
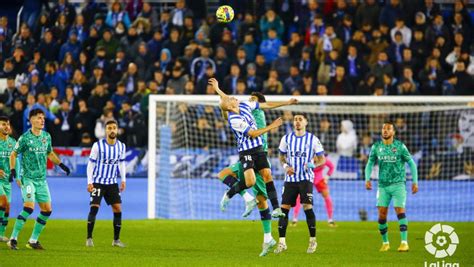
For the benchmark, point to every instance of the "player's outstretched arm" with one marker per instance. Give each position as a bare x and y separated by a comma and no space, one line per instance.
215,85
56,160
272,105
256,133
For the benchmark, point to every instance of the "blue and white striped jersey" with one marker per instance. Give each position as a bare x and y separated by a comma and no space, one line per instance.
107,159
299,151
241,125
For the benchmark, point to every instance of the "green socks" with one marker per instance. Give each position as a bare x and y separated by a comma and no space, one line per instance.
3,222
383,228
39,225
266,218
402,220
20,221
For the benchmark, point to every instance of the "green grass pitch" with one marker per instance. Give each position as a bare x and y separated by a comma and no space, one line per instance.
226,243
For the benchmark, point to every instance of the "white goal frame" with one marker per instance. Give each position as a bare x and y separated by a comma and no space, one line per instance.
151,209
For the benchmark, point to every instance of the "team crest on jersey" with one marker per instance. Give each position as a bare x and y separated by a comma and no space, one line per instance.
394,150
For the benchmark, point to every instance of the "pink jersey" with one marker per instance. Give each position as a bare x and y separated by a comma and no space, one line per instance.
319,171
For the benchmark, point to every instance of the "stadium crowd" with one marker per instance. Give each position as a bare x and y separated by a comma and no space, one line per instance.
84,64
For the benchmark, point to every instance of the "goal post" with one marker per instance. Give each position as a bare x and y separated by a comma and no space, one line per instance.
189,142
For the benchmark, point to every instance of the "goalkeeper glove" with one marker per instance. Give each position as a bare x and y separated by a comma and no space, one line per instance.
12,175
65,168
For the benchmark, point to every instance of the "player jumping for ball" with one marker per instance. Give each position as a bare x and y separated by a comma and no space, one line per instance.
250,145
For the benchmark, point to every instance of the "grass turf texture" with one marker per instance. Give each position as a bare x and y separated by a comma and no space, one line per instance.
224,243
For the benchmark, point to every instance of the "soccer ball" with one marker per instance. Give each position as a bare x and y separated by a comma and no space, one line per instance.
225,14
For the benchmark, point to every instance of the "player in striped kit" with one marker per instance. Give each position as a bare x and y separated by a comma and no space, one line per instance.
250,146
300,152
106,163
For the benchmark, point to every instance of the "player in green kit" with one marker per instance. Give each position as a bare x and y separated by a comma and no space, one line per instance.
391,155
35,148
7,144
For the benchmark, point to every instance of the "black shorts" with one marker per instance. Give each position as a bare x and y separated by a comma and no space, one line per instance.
254,158
110,192
292,190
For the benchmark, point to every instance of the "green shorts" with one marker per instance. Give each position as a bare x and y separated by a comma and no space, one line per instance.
35,191
6,189
259,188
397,192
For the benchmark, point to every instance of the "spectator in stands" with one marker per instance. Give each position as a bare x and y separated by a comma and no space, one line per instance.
346,142
431,77
306,63
83,120
390,12
404,31
295,45
48,47
109,43
382,67
230,82
340,84
130,79
54,77
271,21
149,13
294,82
354,65
178,14
65,8
368,12
345,31
99,130
10,92
254,82
177,80
327,43
270,46
131,125
282,63
464,80
117,14
250,47
327,69
199,64
174,44
262,67
63,133
16,118
436,29
119,96
376,46
97,100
